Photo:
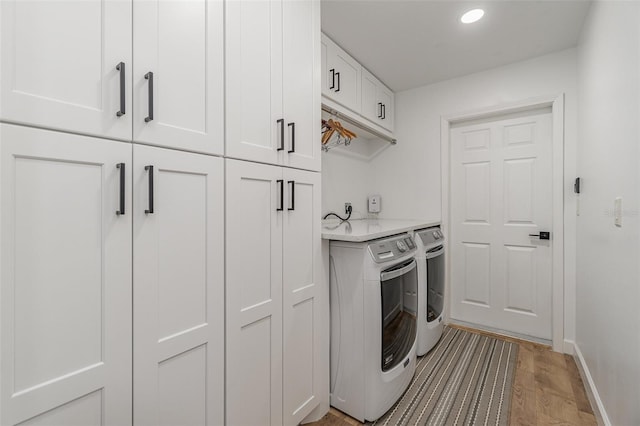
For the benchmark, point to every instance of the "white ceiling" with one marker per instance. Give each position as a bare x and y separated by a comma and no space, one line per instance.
408,44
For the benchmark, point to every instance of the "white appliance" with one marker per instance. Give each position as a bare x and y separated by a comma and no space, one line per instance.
373,323
431,267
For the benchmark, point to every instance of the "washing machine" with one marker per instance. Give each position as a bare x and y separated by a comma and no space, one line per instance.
374,307
431,267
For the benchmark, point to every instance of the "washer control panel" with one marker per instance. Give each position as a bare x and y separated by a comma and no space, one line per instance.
431,236
391,248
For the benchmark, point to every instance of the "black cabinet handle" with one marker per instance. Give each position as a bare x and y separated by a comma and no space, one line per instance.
293,194
281,183
333,78
379,109
149,169
120,211
149,76
338,75
120,67
281,123
542,235
384,111
293,137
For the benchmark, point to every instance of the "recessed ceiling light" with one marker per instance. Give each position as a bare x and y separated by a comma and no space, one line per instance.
472,16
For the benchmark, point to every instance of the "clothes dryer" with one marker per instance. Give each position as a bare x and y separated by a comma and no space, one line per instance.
431,268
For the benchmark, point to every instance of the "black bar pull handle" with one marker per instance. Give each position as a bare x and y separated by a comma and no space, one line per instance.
379,109
542,235
333,78
149,169
384,111
293,194
281,183
120,67
281,123
120,211
338,75
149,76
293,137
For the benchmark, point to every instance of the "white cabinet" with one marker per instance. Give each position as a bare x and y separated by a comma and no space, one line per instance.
68,65
272,82
178,288
341,74
58,61
65,292
272,294
377,101
178,81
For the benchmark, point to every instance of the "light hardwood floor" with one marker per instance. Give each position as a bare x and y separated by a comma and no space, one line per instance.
547,390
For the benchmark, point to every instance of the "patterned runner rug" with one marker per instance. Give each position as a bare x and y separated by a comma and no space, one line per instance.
466,379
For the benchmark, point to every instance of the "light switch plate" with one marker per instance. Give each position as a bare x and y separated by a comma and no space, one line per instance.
617,212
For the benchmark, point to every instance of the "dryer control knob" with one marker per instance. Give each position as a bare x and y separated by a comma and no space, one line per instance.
401,246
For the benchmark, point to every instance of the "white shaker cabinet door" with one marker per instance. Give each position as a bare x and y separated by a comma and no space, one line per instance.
255,127
178,293
302,296
178,79
386,101
371,106
255,207
301,83
343,77
65,289
66,65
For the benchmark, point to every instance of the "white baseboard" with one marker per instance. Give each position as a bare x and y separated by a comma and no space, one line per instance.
592,391
569,347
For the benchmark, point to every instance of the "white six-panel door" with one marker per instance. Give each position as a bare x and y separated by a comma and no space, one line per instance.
302,305
254,80
65,298
178,49
301,83
501,176
178,288
59,60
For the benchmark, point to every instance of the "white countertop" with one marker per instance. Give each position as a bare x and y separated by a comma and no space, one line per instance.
359,230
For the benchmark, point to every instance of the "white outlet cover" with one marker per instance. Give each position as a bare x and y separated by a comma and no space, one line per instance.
617,212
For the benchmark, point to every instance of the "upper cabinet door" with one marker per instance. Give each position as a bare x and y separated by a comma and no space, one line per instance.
301,79
256,128
65,292
178,294
386,102
60,64
371,108
178,78
343,76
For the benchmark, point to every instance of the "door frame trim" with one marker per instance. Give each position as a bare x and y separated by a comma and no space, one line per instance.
556,102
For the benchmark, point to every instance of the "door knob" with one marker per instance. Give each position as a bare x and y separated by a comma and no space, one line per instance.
542,235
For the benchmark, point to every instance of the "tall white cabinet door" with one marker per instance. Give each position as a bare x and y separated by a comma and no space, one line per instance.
255,209
301,77
302,295
65,289
58,61
178,300
255,127
178,74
